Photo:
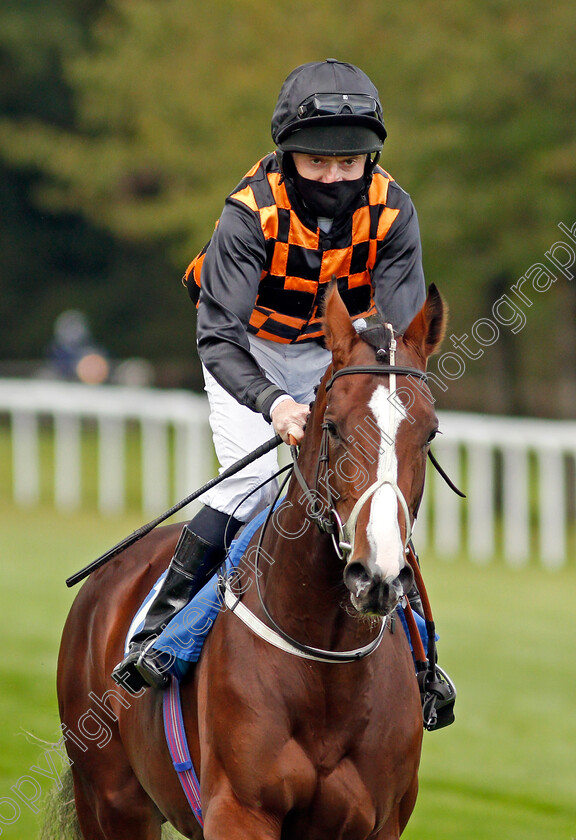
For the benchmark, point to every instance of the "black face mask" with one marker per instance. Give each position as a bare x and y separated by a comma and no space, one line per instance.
328,200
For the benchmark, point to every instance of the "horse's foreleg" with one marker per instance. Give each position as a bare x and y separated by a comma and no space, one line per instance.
107,810
398,819
226,819
407,804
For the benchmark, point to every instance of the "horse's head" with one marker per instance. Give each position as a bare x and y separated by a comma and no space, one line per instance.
378,423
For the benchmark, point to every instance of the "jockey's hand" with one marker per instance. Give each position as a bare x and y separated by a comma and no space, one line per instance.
288,419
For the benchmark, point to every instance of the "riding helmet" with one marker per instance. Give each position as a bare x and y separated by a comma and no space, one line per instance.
332,95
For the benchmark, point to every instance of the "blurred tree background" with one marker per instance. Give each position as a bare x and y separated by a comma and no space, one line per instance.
124,124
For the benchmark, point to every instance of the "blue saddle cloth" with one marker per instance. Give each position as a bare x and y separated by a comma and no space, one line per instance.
183,638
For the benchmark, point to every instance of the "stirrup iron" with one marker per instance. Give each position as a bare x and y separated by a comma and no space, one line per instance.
438,694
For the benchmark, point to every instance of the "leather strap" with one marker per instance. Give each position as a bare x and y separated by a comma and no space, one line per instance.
272,637
382,369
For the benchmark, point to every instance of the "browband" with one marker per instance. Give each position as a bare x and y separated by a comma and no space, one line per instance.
401,371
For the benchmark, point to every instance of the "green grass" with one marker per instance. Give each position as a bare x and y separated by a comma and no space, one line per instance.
505,769
39,550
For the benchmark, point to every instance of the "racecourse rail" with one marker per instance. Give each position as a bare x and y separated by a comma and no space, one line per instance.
518,473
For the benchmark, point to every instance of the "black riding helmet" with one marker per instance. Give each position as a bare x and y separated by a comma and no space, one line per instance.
328,108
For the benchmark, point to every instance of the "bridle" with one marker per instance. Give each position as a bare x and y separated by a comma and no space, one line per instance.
342,534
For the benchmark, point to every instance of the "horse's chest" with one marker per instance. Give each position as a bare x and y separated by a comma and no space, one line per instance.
329,802
337,802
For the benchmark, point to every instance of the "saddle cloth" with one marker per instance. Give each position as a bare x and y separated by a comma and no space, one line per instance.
183,638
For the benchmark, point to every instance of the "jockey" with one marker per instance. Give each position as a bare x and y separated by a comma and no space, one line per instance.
318,206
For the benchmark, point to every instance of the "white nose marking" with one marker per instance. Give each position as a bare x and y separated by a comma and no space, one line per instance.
383,527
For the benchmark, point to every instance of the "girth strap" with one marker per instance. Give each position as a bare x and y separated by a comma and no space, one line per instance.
178,747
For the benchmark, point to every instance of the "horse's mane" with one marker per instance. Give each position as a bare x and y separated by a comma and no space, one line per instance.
374,332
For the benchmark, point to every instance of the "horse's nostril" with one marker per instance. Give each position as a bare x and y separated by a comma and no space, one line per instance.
388,596
356,578
406,579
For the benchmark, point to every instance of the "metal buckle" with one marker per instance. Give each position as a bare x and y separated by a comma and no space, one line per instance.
342,546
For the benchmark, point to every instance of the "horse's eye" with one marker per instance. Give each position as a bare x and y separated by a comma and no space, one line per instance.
331,428
431,437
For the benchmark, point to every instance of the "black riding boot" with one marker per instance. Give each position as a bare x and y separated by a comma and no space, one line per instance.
193,562
437,691
415,601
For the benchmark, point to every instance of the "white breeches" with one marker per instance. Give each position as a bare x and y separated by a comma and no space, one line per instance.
297,369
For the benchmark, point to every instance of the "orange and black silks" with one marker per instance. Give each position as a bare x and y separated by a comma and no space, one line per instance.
300,259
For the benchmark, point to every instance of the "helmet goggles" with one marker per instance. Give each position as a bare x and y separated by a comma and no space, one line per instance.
339,104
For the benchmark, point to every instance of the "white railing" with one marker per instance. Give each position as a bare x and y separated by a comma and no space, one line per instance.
518,474
176,454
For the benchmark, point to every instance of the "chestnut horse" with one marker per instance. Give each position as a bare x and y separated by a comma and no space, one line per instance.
285,747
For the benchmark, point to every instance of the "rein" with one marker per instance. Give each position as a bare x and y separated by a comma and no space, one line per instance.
285,642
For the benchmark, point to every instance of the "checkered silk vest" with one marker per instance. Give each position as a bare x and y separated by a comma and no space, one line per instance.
300,261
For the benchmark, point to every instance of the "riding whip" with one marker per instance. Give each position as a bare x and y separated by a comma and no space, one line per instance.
145,529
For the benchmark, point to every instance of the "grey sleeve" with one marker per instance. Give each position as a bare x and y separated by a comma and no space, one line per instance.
230,276
398,276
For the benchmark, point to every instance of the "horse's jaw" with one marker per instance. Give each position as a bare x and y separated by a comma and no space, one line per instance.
373,594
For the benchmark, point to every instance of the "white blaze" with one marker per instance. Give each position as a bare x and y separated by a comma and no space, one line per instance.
383,528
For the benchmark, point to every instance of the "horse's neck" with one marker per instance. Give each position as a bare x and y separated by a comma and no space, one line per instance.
301,576
296,546
302,579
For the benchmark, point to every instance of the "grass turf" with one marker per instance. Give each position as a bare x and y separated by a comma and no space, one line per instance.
505,769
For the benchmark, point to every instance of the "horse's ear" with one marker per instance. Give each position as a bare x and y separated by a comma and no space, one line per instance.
338,329
426,331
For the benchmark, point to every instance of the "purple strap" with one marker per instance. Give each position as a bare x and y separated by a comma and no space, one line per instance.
178,747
